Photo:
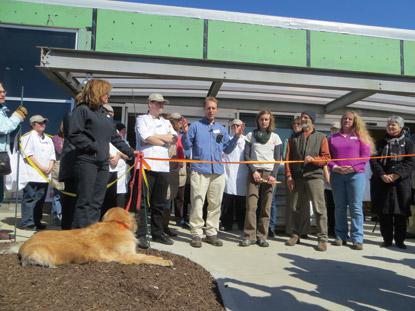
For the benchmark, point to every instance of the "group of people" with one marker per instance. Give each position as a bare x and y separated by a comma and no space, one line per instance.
93,147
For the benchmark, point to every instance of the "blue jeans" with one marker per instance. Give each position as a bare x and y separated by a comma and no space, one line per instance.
273,217
56,204
34,194
348,192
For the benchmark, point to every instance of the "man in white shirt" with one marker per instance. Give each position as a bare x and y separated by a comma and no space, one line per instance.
154,135
39,150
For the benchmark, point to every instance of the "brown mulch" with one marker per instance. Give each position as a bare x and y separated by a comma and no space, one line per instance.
108,286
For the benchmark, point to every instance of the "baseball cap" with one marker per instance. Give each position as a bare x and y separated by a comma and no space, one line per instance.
37,118
236,122
156,97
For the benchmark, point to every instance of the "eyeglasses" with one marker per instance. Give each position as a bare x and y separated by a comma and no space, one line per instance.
41,123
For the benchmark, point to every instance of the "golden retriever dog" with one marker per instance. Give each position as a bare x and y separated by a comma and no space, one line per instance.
113,239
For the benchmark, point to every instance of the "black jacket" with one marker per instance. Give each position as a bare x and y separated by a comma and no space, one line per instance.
393,198
91,131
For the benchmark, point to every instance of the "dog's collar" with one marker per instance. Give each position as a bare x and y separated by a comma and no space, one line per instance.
121,224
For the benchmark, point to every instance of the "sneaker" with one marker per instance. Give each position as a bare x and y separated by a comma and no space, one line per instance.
262,243
213,240
400,245
321,246
196,242
339,242
143,243
40,227
163,239
170,232
295,239
246,242
357,246
386,244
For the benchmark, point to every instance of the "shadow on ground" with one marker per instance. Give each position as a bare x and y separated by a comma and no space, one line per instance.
361,287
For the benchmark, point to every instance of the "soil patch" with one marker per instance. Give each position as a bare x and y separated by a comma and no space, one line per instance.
108,286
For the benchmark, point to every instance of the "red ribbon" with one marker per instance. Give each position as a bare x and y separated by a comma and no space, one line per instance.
138,162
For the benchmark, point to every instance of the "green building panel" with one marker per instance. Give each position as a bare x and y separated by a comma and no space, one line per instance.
36,14
248,43
354,53
409,58
135,33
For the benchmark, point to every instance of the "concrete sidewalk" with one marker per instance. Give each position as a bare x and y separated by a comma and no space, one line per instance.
298,278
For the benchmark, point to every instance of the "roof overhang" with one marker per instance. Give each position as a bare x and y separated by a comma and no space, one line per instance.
250,85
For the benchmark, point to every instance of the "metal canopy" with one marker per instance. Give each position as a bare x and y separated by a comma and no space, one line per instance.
237,85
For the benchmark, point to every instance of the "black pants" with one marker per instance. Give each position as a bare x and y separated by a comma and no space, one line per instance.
328,194
157,193
68,203
393,227
233,205
92,178
110,199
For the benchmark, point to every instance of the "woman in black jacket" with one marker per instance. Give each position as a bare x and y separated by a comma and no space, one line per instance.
392,182
91,131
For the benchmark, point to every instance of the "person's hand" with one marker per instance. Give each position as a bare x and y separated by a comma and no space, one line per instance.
21,113
308,159
394,177
185,125
174,139
114,160
290,183
271,180
386,178
256,177
239,130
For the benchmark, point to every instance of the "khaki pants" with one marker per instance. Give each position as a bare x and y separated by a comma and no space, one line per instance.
256,191
307,190
212,186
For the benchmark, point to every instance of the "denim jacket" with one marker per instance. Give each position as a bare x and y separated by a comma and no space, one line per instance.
7,125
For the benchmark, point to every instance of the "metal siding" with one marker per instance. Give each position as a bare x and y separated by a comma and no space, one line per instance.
354,53
256,44
143,34
409,58
34,14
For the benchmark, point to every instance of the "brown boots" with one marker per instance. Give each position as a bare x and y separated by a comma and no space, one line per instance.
295,239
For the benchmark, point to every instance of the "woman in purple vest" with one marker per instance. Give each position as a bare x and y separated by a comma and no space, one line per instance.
348,178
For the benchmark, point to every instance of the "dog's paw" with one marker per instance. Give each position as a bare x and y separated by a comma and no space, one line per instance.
168,263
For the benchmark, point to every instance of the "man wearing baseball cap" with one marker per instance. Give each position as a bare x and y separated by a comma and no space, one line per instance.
39,149
154,135
305,180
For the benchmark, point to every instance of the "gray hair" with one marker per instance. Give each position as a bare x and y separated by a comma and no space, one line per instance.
396,119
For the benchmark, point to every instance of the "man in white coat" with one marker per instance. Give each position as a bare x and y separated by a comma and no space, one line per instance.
39,151
236,176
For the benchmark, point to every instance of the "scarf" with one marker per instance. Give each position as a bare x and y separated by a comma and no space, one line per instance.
262,136
394,146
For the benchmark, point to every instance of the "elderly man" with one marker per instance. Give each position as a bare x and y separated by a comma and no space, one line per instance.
305,180
39,151
7,125
154,136
207,139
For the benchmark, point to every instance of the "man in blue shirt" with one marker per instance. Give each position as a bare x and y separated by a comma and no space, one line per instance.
207,140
